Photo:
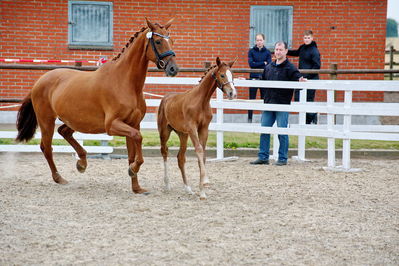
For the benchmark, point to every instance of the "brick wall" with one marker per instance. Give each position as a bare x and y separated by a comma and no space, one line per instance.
349,33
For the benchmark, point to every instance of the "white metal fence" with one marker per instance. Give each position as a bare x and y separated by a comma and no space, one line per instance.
331,131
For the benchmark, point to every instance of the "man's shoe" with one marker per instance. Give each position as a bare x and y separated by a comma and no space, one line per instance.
280,163
259,161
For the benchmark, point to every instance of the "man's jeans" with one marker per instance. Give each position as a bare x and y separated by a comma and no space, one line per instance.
268,119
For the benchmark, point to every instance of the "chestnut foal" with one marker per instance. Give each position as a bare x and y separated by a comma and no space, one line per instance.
189,115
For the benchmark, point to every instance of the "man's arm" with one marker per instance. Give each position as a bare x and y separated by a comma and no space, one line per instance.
293,52
295,75
264,73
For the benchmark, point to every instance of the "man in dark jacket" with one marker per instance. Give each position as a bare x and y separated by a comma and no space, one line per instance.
258,58
309,58
283,70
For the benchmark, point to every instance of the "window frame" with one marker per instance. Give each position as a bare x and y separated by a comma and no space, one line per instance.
270,44
90,45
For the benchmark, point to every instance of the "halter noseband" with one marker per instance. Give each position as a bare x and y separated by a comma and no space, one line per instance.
160,63
218,84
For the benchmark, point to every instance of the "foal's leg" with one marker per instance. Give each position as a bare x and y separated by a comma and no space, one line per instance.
133,141
67,132
47,130
181,160
164,134
203,138
200,155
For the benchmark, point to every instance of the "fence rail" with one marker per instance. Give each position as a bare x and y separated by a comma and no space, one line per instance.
80,137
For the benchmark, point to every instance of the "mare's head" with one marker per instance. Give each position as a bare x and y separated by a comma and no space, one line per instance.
224,78
160,51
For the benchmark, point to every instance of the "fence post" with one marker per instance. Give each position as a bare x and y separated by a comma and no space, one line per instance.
346,142
302,122
219,121
333,76
330,128
391,50
333,67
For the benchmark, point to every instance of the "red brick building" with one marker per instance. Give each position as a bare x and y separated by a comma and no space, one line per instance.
350,33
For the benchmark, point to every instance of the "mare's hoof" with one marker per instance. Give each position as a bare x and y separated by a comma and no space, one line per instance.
81,167
59,180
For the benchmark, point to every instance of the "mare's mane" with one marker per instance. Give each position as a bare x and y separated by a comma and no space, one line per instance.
129,42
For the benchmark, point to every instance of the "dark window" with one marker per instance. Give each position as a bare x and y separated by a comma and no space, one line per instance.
275,22
90,25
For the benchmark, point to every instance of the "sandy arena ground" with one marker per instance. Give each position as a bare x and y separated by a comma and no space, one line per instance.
254,215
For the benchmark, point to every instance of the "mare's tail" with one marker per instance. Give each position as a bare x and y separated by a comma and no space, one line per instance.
26,120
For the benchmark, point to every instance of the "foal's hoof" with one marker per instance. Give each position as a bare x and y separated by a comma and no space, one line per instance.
202,196
141,191
188,190
81,166
59,180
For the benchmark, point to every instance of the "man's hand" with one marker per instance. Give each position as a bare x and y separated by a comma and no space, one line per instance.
302,79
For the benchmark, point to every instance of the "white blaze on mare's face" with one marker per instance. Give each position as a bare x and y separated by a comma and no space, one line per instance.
230,79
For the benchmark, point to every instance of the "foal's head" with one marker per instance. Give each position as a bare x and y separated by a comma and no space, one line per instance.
160,51
224,78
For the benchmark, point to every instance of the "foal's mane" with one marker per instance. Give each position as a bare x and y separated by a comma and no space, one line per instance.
206,72
128,43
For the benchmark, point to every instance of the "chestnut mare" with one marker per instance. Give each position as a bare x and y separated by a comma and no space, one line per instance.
189,115
109,100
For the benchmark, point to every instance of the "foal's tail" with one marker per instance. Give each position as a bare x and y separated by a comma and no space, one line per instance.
161,113
26,120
